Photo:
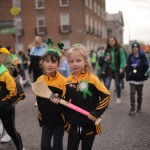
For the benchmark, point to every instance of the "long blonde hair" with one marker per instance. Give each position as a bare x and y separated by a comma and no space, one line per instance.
82,50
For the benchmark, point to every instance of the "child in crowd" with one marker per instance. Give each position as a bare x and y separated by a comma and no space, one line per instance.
50,117
8,62
8,96
84,90
136,73
64,66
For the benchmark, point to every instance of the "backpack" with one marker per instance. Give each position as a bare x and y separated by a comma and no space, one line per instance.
20,92
105,70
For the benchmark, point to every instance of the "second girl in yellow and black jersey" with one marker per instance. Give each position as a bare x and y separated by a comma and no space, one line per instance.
49,114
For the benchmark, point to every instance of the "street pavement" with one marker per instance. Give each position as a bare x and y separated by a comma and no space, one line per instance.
120,131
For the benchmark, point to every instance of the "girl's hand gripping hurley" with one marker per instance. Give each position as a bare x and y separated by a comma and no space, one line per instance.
40,89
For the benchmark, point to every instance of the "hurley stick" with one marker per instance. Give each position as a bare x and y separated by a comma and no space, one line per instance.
40,89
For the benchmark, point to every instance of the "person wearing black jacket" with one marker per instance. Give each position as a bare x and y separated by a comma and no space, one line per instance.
8,96
136,73
35,56
36,53
50,116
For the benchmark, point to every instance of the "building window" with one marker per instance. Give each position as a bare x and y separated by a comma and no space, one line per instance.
91,25
95,27
17,3
95,7
98,10
86,3
64,23
66,44
90,4
103,13
41,25
39,4
109,32
99,29
63,3
87,23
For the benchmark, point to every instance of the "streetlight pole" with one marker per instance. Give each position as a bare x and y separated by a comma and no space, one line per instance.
16,34
15,11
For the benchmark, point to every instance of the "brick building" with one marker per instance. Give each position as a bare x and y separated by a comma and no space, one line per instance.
68,21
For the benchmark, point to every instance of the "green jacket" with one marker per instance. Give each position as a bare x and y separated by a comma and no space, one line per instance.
117,59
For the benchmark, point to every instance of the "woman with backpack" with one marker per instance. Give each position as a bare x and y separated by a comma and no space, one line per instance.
114,54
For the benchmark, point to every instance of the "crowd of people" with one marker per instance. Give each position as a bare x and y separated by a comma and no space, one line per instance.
70,76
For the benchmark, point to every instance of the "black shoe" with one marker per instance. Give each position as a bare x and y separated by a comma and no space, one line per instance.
132,111
138,110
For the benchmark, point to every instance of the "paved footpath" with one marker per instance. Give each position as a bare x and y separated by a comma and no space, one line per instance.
120,131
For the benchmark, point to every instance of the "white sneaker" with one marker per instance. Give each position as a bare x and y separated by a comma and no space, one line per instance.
23,148
118,101
5,138
35,104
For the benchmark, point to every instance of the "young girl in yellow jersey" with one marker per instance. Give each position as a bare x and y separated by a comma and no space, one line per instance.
8,96
86,91
50,115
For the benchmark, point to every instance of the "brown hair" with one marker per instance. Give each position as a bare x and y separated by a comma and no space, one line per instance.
53,56
117,46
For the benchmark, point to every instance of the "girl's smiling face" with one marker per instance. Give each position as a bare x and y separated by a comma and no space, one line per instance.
50,66
77,62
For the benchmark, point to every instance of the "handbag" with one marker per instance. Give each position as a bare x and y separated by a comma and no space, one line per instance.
20,92
105,70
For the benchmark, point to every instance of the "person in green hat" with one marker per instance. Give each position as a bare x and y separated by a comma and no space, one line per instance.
136,68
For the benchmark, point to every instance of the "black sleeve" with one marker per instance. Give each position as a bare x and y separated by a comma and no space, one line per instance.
101,60
127,68
7,105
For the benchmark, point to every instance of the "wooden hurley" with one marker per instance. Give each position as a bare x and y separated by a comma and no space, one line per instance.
40,89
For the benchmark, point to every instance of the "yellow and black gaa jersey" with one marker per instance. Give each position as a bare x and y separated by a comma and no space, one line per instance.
49,113
7,91
88,93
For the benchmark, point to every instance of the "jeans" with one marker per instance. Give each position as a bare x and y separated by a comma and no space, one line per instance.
115,75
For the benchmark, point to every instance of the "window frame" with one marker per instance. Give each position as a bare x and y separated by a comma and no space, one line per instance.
38,19
36,4
64,24
63,5
16,3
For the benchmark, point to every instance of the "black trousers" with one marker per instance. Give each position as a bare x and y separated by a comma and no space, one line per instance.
57,133
36,74
8,120
76,135
133,89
